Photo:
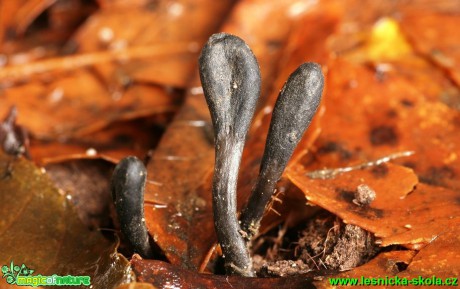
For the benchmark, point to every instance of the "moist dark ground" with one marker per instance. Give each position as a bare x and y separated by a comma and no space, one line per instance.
322,243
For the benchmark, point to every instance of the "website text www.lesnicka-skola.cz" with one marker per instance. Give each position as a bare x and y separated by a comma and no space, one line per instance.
394,281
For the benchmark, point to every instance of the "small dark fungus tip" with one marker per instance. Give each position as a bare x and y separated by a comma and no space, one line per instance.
128,185
14,138
294,109
230,77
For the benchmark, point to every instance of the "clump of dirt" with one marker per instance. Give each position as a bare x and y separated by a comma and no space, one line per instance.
354,247
323,243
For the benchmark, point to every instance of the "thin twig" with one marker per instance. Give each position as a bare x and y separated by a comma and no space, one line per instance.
18,72
331,173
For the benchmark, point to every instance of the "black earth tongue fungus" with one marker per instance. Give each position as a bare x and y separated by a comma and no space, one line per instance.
230,77
128,184
13,138
294,109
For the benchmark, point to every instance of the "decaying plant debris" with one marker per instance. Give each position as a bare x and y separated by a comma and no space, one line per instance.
323,243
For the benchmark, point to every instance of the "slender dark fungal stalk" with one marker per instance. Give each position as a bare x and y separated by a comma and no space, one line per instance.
128,184
230,77
294,109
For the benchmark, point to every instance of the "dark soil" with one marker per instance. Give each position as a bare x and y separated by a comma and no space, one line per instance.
324,243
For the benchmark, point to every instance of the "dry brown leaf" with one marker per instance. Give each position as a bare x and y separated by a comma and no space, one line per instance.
67,107
16,16
41,229
86,185
368,118
436,42
440,258
120,139
398,215
163,22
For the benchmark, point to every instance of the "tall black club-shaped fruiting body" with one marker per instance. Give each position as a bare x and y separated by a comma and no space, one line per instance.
128,184
294,109
230,77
